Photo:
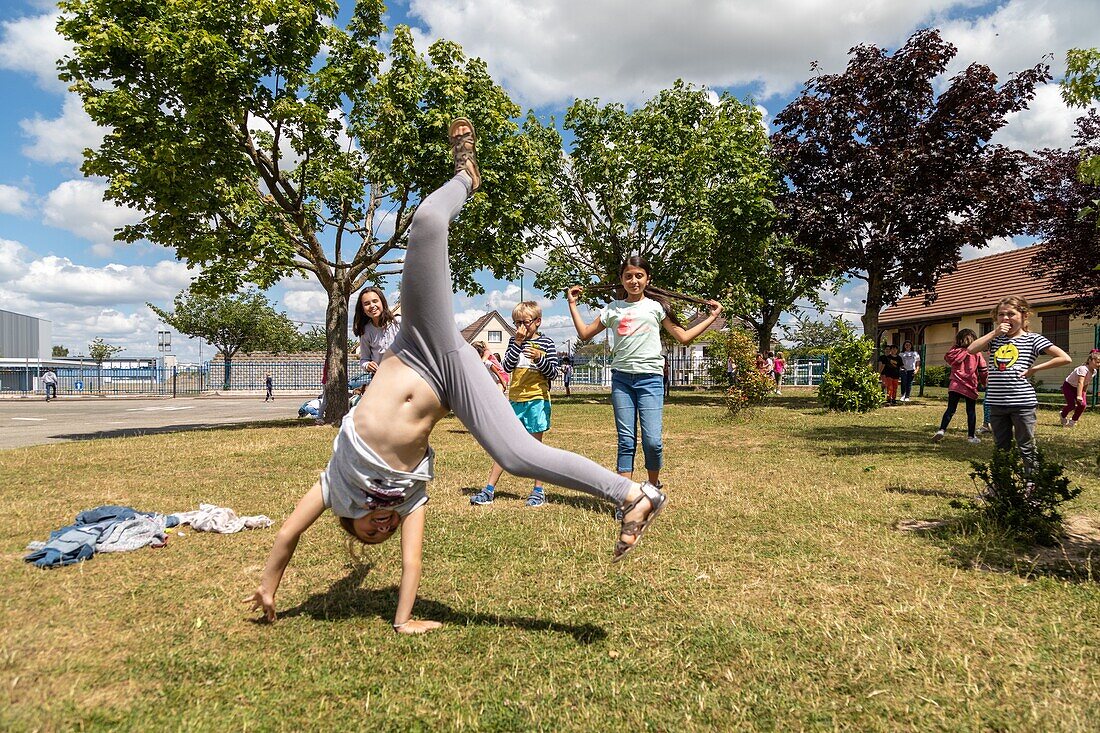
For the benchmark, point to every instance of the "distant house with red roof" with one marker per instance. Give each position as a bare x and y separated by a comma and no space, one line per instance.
965,299
491,328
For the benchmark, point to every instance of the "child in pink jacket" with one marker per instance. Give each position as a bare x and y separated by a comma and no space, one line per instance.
968,373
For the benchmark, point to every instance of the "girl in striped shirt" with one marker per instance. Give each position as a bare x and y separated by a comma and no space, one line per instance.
1013,351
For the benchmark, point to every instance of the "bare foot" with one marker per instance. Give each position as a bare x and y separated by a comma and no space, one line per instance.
417,626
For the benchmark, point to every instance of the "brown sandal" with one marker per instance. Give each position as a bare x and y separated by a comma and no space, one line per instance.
657,501
464,150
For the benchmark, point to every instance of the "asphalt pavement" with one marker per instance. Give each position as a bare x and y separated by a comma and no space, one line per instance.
33,421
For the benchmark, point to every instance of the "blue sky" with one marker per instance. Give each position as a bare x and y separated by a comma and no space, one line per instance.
57,259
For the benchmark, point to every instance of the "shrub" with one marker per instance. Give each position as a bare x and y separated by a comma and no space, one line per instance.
750,387
937,376
1026,504
851,385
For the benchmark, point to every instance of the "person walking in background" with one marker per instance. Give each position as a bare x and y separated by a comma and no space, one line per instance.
376,326
49,384
269,386
1075,389
532,360
889,369
1012,398
968,372
779,366
567,374
910,360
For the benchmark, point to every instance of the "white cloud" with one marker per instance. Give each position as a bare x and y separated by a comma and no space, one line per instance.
32,45
13,259
13,200
503,300
468,316
77,206
1047,123
54,279
306,305
995,246
62,139
555,50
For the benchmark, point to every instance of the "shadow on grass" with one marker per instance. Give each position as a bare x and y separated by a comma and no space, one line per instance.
925,492
855,440
577,501
974,544
160,430
346,598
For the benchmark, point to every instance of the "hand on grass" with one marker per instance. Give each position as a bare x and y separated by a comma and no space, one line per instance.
262,600
417,626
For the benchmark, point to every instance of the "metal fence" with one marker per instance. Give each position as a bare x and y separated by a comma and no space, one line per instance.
289,376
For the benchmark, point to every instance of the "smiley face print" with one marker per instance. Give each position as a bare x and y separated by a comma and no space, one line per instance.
1006,356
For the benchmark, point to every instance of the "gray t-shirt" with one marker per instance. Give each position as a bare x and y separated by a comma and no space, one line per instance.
635,330
356,481
375,341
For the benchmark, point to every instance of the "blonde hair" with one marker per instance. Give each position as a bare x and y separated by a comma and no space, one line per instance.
1016,301
481,347
527,309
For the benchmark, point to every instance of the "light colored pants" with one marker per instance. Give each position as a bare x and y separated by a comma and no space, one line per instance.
430,344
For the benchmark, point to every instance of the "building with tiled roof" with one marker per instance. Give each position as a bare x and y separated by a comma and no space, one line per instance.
491,328
965,299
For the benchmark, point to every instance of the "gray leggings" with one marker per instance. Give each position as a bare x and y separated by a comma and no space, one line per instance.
430,343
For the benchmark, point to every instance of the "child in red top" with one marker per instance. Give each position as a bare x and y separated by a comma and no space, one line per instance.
968,373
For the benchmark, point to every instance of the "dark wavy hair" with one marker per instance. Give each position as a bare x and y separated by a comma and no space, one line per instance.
662,296
361,319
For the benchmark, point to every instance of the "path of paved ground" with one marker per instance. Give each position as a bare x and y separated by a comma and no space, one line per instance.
34,421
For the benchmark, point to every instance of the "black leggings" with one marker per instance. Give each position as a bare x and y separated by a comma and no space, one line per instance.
953,404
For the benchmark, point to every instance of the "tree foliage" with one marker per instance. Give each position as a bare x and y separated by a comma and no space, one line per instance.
260,138
1066,218
813,338
242,322
658,181
1080,88
100,351
59,351
890,179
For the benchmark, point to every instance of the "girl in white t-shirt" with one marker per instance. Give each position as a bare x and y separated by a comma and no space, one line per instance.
1076,387
376,326
634,321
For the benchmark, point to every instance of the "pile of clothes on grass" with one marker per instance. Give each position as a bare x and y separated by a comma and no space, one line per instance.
121,529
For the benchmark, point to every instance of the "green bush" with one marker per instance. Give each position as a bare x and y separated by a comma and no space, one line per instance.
851,385
1026,504
936,376
750,387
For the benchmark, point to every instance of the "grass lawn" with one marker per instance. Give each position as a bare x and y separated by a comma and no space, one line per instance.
775,592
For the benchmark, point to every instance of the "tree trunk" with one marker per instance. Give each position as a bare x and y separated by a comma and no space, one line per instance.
873,305
336,356
768,319
227,369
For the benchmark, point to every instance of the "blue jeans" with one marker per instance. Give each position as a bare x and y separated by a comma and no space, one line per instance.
907,383
638,397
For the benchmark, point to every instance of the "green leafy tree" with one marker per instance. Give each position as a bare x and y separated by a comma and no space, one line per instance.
244,322
891,172
851,385
812,338
100,351
770,279
59,351
653,181
1081,88
262,138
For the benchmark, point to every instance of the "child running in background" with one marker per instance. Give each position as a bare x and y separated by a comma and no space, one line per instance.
910,360
377,478
532,359
637,367
889,369
496,371
779,365
1075,389
376,326
1013,352
968,372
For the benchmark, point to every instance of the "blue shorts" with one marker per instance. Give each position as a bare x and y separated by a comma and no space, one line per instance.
535,415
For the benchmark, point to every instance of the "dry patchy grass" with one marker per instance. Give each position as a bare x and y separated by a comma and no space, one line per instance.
776,592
